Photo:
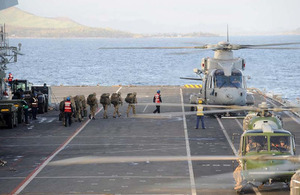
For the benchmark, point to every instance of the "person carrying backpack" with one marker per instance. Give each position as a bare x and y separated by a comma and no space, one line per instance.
131,100
93,103
105,101
116,100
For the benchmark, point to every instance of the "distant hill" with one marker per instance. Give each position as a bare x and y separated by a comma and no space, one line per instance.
22,24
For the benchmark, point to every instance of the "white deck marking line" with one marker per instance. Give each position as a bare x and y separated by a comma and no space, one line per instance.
227,137
238,122
38,169
188,150
145,108
113,177
290,115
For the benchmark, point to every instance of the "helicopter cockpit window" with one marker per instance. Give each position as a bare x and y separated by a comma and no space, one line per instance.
256,143
280,143
235,80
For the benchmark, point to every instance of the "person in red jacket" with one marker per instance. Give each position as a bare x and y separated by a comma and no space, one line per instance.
157,100
68,110
10,78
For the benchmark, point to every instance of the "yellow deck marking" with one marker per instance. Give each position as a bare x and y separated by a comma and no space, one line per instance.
192,86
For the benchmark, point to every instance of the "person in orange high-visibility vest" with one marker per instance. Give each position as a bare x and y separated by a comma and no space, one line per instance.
157,100
10,78
200,115
68,110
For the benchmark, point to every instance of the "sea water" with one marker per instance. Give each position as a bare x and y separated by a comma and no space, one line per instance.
80,62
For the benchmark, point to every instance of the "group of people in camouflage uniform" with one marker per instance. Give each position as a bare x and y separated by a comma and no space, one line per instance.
78,106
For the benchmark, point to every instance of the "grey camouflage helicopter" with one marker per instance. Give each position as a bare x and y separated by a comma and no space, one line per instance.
223,82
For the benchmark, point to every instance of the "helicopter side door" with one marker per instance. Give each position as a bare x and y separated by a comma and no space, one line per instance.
209,91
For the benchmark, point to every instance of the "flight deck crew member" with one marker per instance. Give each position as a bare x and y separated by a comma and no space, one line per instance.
132,105
157,100
200,114
34,106
25,108
10,78
68,110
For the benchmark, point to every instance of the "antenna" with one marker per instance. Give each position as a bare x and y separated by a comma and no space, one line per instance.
227,34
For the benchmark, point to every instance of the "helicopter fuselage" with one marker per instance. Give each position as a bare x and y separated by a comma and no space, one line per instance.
267,143
223,81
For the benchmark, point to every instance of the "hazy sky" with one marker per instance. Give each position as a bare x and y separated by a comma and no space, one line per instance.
142,16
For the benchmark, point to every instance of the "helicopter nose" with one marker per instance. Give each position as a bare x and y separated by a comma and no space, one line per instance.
229,96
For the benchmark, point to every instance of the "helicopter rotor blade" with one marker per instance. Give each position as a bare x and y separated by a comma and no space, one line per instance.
190,47
191,78
271,44
203,105
187,52
230,107
128,159
179,114
272,48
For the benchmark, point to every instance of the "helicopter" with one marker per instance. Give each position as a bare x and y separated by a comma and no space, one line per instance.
264,135
223,82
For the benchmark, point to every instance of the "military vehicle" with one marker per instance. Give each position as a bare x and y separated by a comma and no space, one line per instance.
8,110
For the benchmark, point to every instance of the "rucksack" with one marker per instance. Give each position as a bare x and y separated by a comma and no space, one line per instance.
114,99
89,99
130,98
104,99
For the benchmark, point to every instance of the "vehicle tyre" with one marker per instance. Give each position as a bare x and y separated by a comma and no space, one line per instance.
10,121
20,116
15,120
41,109
46,106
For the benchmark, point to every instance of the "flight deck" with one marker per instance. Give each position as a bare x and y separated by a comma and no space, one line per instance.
28,149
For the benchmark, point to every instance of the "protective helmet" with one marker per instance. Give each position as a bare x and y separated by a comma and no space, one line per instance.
282,140
68,98
158,91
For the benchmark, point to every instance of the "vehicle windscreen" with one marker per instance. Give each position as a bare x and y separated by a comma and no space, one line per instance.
280,143
20,86
256,143
235,80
